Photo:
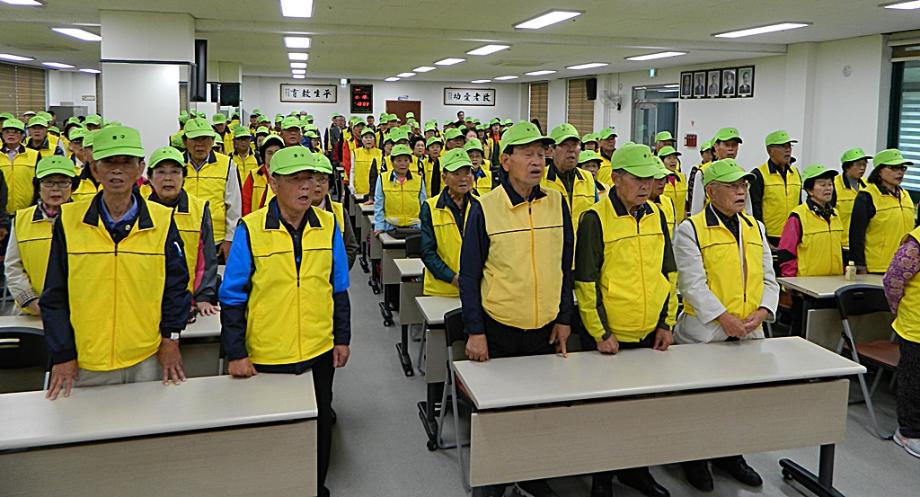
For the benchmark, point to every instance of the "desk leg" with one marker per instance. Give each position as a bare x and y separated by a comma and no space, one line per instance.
402,348
821,485
428,412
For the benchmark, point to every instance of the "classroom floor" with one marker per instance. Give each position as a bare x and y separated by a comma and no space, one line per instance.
379,446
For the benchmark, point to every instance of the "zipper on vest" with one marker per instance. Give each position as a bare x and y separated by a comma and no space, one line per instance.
641,265
114,310
533,265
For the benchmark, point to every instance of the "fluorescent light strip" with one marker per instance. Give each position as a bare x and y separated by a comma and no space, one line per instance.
772,28
298,56
504,78
548,18
91,71
80,34
406,74
449,61
658,55
539,73
297,8
479,81
297,41
391,79
298,65
298,71
903,5
22,3
589,65
488,49
424,69
57,65
14,58
298,76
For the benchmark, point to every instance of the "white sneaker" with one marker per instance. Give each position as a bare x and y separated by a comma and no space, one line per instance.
911,445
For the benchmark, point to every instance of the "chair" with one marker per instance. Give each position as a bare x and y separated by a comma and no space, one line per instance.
22,348
860,300
453,332
414,246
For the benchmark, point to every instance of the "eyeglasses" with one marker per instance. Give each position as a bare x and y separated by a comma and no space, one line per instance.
60,185
738,185
901,168
316,179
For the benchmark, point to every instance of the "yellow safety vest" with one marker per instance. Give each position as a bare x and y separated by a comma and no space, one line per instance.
820,253
210,184
845,198
245,165
188,215
260,189
666,205
338,210
289,312
738,285
522,276
894,218
780,196
907,319
18,175
85,190
678,195
584,192
33,234
49,150
401,204
364,159
428,166
605,171
115,291
483,184
632,287
449,240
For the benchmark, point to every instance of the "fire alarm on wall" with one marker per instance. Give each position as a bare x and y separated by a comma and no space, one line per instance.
690,141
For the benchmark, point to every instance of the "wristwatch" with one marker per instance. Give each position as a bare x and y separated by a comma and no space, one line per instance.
174,336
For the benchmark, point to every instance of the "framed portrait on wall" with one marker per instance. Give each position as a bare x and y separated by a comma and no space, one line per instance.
729,83
714,83
686,84
745,81
699,84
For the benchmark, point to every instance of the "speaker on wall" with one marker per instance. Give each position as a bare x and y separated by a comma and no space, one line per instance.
198,73
230,94
591,88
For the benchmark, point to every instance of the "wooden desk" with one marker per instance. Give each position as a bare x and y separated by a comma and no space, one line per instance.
146,439
728,398
433,310
393,248
410,286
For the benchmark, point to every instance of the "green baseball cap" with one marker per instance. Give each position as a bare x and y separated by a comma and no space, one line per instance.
778,137
588,156
664,136
431,127
727,134
89,137
392,117
815,171
387,137
606,133
76,133
410,115
481,127
174,140
854,154
724,171
264,119
218,140
890,157
262,130
308,117
117,140
197,127
14,124
270,139
434,139
292,160
455,159
590,137
311,134
507,122
635,159
707,145
94,119
165,153
45,115
452,134
290,122
354,120
55,164
473,144
563,132
448,122
666,151
255,112
241,132
399,134
7,115
368,131
218,119
400,150
663,171
55,130
522,133
494,121
37,121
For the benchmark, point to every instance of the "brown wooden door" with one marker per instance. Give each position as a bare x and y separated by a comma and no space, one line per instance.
400,107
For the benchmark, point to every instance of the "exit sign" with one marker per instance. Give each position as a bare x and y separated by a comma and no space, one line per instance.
362,99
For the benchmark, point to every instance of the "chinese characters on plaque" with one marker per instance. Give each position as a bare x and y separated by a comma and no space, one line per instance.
484,97
316,94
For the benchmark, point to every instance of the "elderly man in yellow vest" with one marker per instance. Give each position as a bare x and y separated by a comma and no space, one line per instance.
116,290
215,179
564,175
727,280
17,162
776,186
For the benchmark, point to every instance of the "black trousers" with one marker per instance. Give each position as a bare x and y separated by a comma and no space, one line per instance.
323,373
908,395
508,341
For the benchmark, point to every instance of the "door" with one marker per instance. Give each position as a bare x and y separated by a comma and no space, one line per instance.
401,107
654,110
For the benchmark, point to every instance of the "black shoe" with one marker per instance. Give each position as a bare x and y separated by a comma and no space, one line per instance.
489,491
601,486
739,469
335,417
535,488
643,481
697,473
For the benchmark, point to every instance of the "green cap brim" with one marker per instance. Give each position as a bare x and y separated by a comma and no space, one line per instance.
66,171
731,177
647,171
112,152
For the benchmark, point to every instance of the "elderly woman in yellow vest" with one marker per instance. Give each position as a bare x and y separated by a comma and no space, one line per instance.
728,285
116,288
776,187
400,194
166,171
590,161
606,146
813,238
883,213
30,239
443,218
853,163
589,142
563,175
215,179
365,159
624,244
242,154
17,162
319,197
482,168
433,165
675,188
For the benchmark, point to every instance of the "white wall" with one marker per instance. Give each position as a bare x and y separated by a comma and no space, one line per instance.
68,88
142,96
264,94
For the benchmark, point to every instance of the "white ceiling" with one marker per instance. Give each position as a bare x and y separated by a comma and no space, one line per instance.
376,39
